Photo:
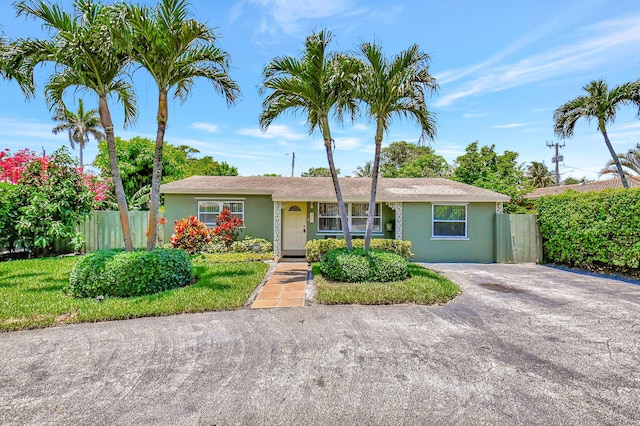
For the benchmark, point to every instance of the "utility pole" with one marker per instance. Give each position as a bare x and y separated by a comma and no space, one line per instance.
293,162
556,159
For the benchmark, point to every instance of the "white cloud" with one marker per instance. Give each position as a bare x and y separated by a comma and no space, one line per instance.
292,15
508,126
341,144
207,127
274,131
601,44
470,115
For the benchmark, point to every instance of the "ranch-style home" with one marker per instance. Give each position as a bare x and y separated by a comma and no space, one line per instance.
446,221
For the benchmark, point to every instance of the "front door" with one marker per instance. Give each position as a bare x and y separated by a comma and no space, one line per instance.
294,228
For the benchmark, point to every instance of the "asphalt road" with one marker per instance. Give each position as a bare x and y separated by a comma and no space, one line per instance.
522,344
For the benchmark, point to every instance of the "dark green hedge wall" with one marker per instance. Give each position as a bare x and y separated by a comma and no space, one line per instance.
592,228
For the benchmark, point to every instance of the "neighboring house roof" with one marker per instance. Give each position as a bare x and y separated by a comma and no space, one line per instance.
599,185
321,189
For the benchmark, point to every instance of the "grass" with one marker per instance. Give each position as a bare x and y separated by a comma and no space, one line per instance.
424,287
31,294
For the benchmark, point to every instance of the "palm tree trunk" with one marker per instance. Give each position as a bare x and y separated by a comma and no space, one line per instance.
326,133
81,157
374,186
107,124
616,160
156,177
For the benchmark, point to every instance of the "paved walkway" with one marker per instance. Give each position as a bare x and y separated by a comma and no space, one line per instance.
285,288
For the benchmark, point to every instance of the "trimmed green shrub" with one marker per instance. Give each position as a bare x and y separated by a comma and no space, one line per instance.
252,245
125,274
359,265
387,266
315,249
587,229
248,245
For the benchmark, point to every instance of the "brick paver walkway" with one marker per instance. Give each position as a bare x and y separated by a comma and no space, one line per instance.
285,288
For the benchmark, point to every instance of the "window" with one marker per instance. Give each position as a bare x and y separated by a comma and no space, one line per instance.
329,217
208,211
449,221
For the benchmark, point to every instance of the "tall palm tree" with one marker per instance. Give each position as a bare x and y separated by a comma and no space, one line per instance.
600,104
630,161
175,50
539,175
395,88
80,126
317,84
87,58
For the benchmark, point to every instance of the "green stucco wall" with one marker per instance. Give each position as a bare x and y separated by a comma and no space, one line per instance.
388,215
479,247
258,212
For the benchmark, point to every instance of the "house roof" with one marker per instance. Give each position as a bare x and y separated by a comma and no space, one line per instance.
321,189
599,185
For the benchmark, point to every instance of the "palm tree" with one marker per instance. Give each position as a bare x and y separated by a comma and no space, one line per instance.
87,58
539,175
175,50
394,88
79,125
630,161
364,171
317,84
600,104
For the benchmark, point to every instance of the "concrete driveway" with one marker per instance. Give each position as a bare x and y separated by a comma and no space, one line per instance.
523,344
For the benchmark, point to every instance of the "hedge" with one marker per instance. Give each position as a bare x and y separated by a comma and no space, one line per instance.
315,249
124,274
588,229
359,265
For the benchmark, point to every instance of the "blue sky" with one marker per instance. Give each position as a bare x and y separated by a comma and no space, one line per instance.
503,68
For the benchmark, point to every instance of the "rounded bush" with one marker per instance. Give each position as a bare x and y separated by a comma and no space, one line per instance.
125,274
359,265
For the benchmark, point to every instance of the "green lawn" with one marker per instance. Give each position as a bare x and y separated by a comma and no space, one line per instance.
31,294
424,287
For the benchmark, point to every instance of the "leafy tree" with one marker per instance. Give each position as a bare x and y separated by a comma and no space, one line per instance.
427,165
206,166
318,172
397,154
600,104
364,171
395,88
136,155
539,175
88,58
575,181
487,169
80,125
317,84
175,50
630,161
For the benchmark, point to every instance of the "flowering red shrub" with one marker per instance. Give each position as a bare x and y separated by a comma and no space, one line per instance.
227,227
13,166
190,235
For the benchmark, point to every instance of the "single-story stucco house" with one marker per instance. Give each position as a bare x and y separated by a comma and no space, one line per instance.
446,221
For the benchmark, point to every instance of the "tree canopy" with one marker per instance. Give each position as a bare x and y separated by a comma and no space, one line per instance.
135,157
318,172
485,168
